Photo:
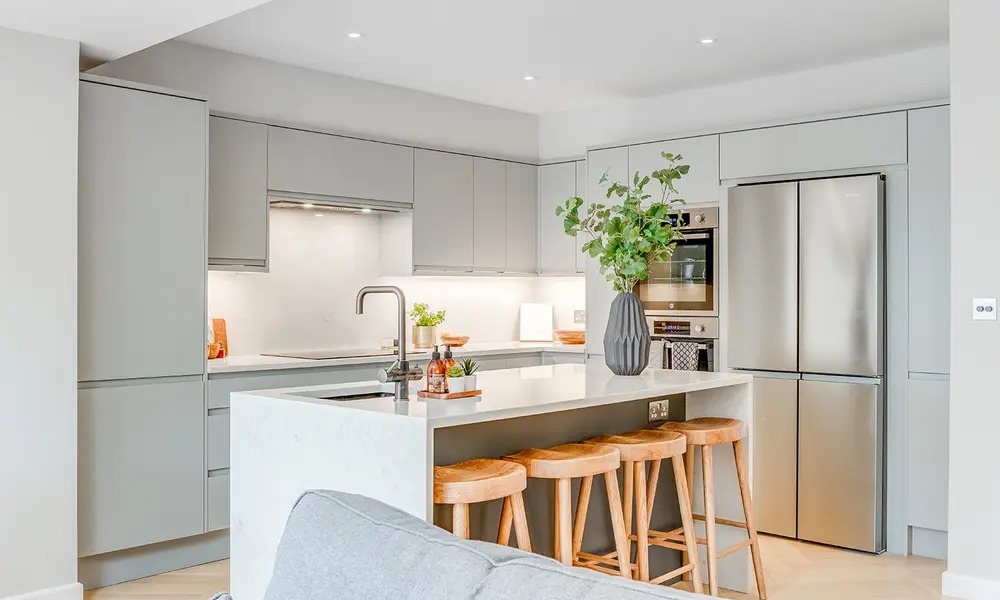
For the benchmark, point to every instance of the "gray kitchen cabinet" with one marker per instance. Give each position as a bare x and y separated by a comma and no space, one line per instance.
847,143
556,250
489,215
700,185
217,451
237,194
220,386
218,501
142,247
927,454
563,358
929,239
330,165
522,218
443,219
492,364
600,293
530,360
581,191
141,465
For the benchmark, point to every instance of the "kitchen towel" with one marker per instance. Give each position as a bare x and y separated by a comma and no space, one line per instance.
684,356
656,354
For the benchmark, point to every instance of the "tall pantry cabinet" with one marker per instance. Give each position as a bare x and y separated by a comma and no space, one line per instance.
142,315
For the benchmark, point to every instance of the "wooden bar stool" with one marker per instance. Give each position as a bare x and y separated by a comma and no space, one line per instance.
705,433
482,480
564,463
637,448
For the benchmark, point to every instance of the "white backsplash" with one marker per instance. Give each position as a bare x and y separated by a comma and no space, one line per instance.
317,266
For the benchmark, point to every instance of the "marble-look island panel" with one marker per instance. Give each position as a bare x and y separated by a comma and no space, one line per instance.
284,442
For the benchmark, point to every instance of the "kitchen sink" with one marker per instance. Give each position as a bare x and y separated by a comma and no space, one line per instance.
361,396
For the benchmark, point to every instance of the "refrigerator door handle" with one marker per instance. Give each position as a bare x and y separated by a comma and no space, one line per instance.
770,374
856,380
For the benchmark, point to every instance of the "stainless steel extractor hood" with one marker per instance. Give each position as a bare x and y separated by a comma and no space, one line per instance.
334,203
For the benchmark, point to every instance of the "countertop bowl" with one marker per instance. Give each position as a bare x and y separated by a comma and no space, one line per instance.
455,341
572,337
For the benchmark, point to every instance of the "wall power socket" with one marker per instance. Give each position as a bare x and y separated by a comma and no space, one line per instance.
579,316
659,410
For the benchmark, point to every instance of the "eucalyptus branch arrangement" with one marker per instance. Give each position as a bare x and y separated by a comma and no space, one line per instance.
630,235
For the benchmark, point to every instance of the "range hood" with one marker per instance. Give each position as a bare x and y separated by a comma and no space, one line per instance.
338,204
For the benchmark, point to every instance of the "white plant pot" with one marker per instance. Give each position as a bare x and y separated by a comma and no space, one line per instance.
456,385
470,383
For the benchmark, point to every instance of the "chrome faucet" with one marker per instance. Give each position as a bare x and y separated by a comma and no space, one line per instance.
399,372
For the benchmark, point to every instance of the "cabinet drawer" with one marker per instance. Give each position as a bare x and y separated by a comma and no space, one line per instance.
561,358
524,361
218,502
218,441
927,454
220,388
866,141
492,364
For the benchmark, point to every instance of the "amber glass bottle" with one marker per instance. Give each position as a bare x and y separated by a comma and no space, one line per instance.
449,362
437,374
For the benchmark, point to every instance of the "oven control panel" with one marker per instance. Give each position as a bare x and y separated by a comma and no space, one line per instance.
694,327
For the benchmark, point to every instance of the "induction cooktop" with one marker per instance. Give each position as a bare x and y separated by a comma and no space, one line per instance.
333,354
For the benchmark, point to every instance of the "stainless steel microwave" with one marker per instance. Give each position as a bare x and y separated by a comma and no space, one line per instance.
687,282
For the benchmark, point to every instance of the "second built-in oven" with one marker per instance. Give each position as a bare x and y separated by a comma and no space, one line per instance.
687,282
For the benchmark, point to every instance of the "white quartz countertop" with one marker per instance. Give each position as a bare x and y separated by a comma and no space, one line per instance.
257,362
511,393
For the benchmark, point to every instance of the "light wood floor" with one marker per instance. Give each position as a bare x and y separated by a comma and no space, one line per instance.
795,571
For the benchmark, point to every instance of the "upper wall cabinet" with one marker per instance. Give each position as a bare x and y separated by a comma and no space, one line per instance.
237,196
489,215
142,247
849,143
700,185
599,292
522,218
443,219
929,239
581,191
556,250
328,165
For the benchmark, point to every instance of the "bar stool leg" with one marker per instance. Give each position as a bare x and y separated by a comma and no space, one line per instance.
689,474
460,520
580,521
506,520
627,488
618,522
642,521
684,502
713,557
741,475
654,479
520,521
564,524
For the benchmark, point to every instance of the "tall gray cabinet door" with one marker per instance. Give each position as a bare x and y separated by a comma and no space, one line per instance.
581,191
556,250
141,465
522,218
700,185
763,277
142,254
490,214
775,423
600,293
237,195
929,239
443,222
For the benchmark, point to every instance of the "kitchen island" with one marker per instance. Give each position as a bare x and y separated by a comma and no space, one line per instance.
284,442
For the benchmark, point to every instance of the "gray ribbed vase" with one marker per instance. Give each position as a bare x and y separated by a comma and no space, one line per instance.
626,340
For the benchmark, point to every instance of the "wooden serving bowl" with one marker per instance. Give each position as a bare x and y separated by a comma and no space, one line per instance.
455,341
573,337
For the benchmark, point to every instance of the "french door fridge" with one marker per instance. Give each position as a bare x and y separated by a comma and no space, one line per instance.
806,306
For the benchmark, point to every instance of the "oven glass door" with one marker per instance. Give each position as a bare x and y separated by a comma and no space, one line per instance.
685,281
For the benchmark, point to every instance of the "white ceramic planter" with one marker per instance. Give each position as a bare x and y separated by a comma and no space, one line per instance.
456,385
470,383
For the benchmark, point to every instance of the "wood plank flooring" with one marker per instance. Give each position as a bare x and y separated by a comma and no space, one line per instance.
794,571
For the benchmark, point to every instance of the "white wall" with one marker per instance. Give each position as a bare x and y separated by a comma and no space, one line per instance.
38,164
974,488
266,90
317,266
875,83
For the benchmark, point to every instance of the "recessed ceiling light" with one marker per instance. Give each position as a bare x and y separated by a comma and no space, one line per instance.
307,205
319,214
707,41
354,35
366,210
529,77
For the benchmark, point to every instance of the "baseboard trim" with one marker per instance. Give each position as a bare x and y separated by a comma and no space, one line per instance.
73,591
929,543
125,565
967,587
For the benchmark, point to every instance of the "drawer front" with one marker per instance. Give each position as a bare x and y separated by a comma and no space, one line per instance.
218,502
220,388
524,361
218,441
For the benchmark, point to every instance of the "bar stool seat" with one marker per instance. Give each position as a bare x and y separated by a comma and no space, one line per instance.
563,464
644,444
708,431
482,480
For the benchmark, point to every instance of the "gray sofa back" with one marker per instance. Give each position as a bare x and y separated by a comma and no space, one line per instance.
340,546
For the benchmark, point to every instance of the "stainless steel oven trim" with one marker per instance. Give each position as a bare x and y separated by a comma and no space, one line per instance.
715,286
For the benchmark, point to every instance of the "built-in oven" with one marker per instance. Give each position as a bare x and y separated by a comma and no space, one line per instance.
687,282
683,343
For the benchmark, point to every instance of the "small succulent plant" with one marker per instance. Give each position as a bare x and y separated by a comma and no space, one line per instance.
456,371
469,366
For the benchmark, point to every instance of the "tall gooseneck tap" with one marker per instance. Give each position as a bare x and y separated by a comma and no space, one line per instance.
399,372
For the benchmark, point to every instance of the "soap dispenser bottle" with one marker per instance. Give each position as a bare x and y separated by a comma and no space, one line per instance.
437,374
449,362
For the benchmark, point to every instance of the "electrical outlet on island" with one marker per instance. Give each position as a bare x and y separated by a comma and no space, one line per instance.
579,316
659,410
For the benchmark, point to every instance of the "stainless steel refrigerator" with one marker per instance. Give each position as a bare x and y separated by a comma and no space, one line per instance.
806,316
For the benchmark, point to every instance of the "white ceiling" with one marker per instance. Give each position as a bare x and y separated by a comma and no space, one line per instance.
582,52
109,29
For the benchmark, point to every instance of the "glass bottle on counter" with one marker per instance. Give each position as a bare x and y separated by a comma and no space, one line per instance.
437,374
449,362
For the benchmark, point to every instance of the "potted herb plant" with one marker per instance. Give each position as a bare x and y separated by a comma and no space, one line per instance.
456,379
425,324
626,237
469,367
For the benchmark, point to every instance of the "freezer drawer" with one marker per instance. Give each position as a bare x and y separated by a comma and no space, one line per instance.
841,464
775,421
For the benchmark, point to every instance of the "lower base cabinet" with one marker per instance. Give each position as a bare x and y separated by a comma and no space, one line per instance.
141,465
218,501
